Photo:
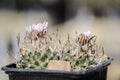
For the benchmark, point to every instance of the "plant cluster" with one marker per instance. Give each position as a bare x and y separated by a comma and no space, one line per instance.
39,48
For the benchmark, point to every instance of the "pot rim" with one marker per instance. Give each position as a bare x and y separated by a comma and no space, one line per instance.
99,67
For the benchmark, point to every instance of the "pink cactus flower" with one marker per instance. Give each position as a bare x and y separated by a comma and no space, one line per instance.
39,29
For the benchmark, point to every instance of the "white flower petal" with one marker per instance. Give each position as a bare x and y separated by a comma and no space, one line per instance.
38,27
87,33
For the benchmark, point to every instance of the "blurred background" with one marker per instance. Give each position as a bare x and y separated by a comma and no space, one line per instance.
101,17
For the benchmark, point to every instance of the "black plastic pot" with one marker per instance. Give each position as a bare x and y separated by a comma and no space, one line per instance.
97,73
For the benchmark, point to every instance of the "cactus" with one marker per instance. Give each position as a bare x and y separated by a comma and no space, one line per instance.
39,48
